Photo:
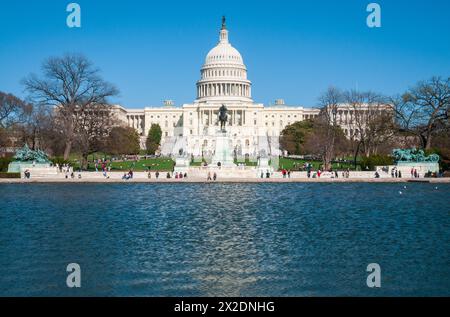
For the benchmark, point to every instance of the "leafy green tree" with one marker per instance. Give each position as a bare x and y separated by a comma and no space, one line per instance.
153,139
123,140
293,136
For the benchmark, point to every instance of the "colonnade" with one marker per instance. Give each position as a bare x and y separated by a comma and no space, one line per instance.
223,89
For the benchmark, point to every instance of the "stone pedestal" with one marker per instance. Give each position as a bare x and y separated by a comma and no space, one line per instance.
405,168
37,170
422,167
18,166
223,153
263,166
182,164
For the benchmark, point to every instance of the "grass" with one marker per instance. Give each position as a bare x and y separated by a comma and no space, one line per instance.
247,162
154,164
292,164
295,164
167,164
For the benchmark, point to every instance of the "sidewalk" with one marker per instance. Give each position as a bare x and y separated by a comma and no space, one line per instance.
223,180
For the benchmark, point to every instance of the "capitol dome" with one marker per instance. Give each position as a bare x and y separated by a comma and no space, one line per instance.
224,53
223,75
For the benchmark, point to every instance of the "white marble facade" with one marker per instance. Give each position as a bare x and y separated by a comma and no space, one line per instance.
252,127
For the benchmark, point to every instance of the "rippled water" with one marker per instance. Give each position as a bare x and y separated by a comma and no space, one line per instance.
224,239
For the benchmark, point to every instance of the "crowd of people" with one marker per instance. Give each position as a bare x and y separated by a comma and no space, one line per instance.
396,173
104,166
156,174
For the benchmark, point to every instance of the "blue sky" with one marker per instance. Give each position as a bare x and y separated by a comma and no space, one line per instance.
153,50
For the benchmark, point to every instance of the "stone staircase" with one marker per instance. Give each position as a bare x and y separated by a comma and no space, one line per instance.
167,146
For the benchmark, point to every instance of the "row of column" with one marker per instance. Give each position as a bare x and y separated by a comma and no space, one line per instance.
233,114
136,122
345,117
223,89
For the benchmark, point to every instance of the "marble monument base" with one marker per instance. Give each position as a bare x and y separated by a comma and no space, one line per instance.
17,166
223,153
423,167
182,164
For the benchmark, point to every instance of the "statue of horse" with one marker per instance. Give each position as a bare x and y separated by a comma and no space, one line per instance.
25,154
413,155
402,155
223,117
433,158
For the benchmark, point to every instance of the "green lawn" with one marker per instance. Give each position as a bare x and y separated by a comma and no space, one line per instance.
154,164
246,162
294,164
167,164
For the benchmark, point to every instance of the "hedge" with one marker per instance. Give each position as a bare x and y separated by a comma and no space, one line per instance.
4,162
9,175
375,160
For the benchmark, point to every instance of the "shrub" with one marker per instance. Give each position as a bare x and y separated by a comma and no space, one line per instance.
4,162
375,160
9,175
59,160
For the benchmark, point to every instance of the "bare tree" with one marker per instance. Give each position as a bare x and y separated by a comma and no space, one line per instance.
35,125
12,110
371,121
72,85
327,121
13,114
424,109
93,127
317,142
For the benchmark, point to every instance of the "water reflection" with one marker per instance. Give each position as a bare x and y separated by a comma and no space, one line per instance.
224,239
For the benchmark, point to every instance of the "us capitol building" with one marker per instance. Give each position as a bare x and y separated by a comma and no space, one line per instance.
251,127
